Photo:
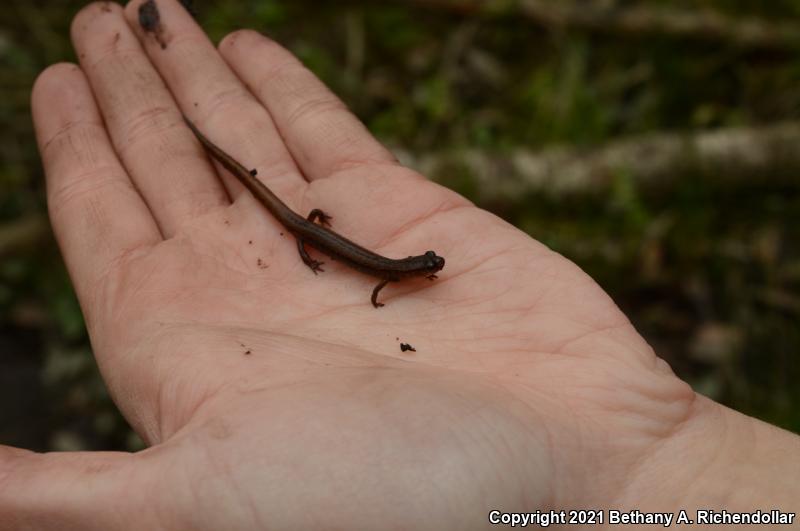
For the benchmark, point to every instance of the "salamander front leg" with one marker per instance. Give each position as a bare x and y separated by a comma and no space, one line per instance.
315,265
375,293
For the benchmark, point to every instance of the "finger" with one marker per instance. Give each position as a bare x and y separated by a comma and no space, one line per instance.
215,99
322,135
143,120
96,213
80,491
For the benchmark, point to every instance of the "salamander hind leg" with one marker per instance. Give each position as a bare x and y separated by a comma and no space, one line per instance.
379,287
315,265
324,219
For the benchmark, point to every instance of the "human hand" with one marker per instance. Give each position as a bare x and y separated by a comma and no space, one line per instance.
274,398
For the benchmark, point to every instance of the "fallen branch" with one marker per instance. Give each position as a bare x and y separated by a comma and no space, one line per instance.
737,155
608,17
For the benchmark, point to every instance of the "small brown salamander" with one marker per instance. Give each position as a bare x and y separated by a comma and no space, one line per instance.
321,237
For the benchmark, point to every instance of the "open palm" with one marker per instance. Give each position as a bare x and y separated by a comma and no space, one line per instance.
274,398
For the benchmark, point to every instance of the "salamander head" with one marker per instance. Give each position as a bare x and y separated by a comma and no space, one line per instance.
432,263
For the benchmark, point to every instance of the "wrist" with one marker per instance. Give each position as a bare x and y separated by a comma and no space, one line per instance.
718,460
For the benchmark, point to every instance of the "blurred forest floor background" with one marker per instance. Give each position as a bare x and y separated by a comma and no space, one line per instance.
655,143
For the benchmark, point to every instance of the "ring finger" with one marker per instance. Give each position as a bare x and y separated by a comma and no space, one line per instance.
142,119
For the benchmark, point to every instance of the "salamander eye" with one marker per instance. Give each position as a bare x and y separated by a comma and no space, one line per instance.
433,262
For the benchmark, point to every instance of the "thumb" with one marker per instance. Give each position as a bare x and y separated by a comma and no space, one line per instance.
68,491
